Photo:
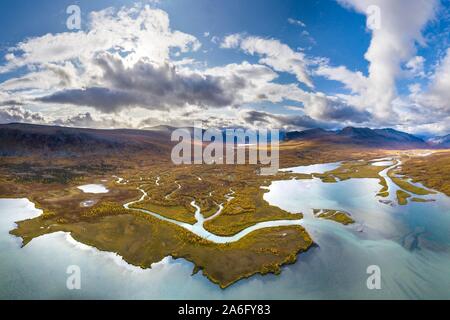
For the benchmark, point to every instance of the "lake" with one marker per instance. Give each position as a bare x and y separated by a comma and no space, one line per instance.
93,188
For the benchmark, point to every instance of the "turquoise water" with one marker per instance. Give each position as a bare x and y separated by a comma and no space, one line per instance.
410,244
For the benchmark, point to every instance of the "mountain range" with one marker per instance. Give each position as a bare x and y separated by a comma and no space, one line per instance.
18,139
378,138
442,142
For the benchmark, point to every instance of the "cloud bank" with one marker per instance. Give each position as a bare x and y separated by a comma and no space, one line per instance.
94,77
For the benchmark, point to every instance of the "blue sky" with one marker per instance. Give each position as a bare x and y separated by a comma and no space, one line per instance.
291,64
219,18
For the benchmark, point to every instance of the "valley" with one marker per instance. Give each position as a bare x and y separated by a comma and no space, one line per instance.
215,216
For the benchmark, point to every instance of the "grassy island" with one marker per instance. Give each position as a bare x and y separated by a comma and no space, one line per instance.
143,240
433,170
402,197
247,208
338,216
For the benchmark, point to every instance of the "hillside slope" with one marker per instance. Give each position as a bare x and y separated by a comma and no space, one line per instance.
25,139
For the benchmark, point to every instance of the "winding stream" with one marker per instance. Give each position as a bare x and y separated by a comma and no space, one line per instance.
198,228
392,187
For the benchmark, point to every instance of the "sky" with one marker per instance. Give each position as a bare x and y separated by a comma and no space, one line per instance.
289,64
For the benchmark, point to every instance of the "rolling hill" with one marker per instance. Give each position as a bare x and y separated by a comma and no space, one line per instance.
19,139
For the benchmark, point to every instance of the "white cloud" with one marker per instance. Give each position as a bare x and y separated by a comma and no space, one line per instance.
49,76
296,22
416,66
259,86
393,44
273,53
231,41
437,95
87,120
294,108
134,32
356,82
19,114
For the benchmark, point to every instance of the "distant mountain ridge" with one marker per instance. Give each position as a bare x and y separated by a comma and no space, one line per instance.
441,142
386,138
19,139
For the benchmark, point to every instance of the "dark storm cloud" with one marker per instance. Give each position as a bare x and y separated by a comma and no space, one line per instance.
11,103
336,111
254,117
104,99
149,86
